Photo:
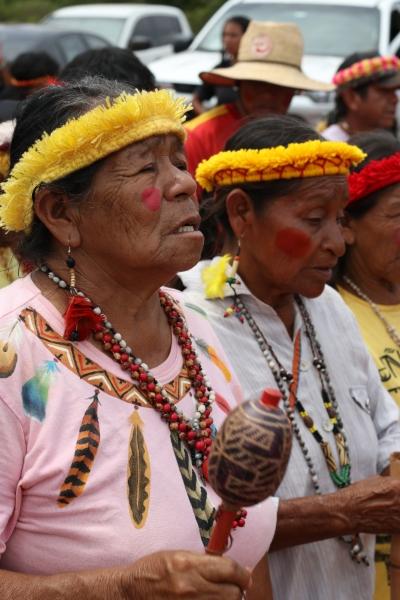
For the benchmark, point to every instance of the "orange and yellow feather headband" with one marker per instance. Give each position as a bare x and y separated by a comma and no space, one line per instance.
314,158
84,140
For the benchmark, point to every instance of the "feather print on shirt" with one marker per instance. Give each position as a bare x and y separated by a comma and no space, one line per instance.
210,352
138,473
85,453
35,391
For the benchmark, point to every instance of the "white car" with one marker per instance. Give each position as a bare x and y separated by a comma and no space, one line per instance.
332,30
150,30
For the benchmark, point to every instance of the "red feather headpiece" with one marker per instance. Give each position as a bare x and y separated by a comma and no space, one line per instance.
376,175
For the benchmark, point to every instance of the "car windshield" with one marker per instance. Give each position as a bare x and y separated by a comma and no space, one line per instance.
328,30
110,29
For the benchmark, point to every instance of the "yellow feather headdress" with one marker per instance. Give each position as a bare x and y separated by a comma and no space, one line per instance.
314,158
84,140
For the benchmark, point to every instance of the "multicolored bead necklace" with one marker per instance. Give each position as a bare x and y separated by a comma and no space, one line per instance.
197,432
284,381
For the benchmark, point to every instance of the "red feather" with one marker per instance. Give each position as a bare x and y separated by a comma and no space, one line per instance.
80,320
222,403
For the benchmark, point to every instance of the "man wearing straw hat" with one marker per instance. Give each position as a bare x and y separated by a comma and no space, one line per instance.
267,75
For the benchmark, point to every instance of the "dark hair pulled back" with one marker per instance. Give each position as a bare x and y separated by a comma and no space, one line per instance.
43,112
266,132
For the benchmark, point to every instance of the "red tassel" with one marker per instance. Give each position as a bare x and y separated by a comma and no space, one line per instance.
80,320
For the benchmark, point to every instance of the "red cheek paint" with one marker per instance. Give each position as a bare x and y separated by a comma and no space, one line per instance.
293,242
151,198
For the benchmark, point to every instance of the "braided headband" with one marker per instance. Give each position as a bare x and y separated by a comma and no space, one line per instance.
379,65
375,176
43,81
307,159
84,140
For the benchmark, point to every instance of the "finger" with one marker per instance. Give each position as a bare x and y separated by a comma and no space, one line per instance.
224,570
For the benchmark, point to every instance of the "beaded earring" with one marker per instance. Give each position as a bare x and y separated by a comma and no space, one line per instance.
80,320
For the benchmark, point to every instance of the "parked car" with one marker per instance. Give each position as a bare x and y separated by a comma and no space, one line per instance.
150,30
332,29
63,46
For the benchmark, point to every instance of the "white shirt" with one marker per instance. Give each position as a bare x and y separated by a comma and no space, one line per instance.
322,570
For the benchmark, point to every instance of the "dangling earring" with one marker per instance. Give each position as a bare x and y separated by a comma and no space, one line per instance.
232,281
80,320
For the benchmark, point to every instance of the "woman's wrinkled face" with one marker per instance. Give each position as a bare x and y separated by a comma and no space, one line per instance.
294,243
142,213
374,239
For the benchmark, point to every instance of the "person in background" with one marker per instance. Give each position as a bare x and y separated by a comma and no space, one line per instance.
267,74
232,33
368,275
27,73
117,64
366,99
280,190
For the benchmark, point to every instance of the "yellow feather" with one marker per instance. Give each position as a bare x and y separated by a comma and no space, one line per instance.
215,276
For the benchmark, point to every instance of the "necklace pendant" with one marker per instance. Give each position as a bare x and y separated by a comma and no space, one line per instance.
327,426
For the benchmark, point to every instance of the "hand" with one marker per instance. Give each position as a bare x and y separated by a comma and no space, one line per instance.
374,504
181,575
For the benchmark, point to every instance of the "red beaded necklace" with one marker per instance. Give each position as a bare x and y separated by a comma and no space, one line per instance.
83,317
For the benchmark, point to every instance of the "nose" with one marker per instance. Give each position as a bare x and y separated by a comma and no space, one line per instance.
179,184
334,240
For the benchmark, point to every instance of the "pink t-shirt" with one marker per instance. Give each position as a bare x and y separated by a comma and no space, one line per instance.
134,501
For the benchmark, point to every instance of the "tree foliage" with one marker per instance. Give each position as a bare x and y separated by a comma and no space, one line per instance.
197,11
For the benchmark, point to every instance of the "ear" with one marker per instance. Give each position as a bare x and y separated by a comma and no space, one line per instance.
352,99
240,211
349,233
59,215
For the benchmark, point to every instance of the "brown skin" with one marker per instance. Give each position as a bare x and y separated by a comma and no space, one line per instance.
316,209
124,252
231,36
376,273
377,109
258,98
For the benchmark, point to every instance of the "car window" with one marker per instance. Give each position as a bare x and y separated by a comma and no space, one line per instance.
394,24
328,30
71,45
144,27
93,41
166,28
110,29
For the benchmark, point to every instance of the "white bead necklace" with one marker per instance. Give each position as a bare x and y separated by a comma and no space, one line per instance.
389,328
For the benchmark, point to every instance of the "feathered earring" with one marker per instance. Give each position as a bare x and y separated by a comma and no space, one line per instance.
80,320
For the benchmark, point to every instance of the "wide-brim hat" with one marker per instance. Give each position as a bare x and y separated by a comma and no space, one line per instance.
270,53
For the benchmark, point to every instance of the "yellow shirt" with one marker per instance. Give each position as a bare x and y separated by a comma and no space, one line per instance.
386,355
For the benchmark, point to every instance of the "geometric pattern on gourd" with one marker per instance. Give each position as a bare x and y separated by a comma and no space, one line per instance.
250,454
74,360
202,507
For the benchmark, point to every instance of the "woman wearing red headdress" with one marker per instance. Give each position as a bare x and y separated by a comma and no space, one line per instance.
369,273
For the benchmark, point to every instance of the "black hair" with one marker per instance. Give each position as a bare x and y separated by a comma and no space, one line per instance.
43,112
266,132
340,109
29,65
243,22
119,64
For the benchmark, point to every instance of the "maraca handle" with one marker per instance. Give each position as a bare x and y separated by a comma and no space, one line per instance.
222,528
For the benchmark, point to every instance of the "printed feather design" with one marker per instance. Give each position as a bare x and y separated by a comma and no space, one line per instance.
10,338
138,473
213,356
35,391
85,453
204,511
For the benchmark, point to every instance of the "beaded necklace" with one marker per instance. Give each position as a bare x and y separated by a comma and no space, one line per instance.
285,383
197,432
389,328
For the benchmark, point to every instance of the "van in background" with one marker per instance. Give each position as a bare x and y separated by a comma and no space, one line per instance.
150,30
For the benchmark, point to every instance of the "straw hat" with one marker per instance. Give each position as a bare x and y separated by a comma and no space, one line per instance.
269,52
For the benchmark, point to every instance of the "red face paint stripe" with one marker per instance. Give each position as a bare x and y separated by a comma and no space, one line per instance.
151,198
